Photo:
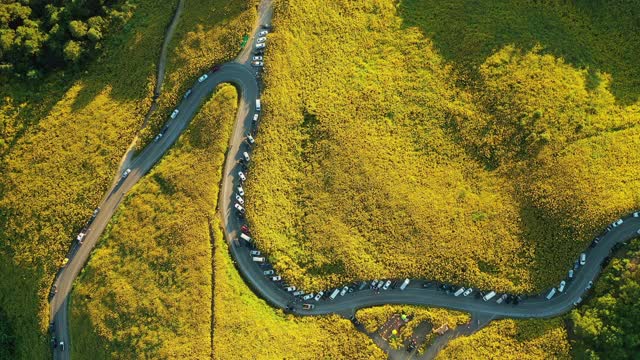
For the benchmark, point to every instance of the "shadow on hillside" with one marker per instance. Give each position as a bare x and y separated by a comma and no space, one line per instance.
598,36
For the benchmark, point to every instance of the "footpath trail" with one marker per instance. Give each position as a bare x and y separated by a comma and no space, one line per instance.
240,74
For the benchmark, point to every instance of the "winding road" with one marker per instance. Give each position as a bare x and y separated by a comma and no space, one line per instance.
243,77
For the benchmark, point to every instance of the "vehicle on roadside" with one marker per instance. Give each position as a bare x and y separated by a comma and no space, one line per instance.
594,242
245,237
344,290
260,45
239,199
380,284
241,175
258,259
308,306
334,294
297,293
589,285
386,285
240,190
246,157
467,292
374,283
81,235
459,291
95,214
261,39
576,265
636,214
164,129
575,303
290,288
250,139
501,298
268,272
174,113
318,296
583,259
245,229
61,346
255,117
405,283
561,286
617,223
187,93
255,252
126,173
308,296
489,296
257,58
257,63
155,139
263,33
202,78
551,293
427,284
276,278
239,208
53,291
571,274
258,105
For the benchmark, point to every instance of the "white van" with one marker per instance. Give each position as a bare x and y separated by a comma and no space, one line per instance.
459,292
404,284
245,237
551,293
334,294
489,296
257,104
258,259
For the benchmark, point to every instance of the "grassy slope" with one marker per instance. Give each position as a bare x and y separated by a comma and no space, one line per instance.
146,293
245,327
512,339
375,151
61,153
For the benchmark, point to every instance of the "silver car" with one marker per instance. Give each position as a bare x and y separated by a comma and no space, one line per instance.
319,295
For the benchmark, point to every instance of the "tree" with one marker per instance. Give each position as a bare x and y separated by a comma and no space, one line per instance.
78,29
72,51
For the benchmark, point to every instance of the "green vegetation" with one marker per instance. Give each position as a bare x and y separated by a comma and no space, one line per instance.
146,292
37,36
245,327
608,325
61,140
493,165
512,339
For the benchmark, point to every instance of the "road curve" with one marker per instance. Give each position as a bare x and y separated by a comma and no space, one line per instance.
243,77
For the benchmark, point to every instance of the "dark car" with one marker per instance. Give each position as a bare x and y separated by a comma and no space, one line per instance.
427,284
215,68
53,291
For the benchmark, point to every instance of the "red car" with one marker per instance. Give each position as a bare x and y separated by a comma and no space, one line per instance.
245,229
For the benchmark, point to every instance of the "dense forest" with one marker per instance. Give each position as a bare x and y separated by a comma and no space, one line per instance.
38,36
495,164
608,325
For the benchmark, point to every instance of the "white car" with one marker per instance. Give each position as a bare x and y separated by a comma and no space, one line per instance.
239,199
374,283
308,297
254,253
297,293
240,190
583,259
250,139
386,285
255,117
203,78
174,113
257,58
290,288
155,139
467,292
241,175
126,173
257,63
319,295
589,285
268,272
263,33
239,208
344,290
571,274
617,223
246,156
562,285
276,278
261,39
261,46
636,214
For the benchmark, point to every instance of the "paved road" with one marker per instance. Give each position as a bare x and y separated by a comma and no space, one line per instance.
243,77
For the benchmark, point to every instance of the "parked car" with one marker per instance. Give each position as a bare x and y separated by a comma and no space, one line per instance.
268,272
255,117
617,223
155,139
290,288
261,39
240,190
583,259
636,214
501,298
126,173
174,113
562,285
260,45
239,208
344,290
263,33
250,139
297,293
467,292
308,306
308,297
187,93
276,278
203,78
386,285
319,295
239,199
241,175
245,229
246,157
257,58
257,63
575,303
254,252
571,274
589,285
